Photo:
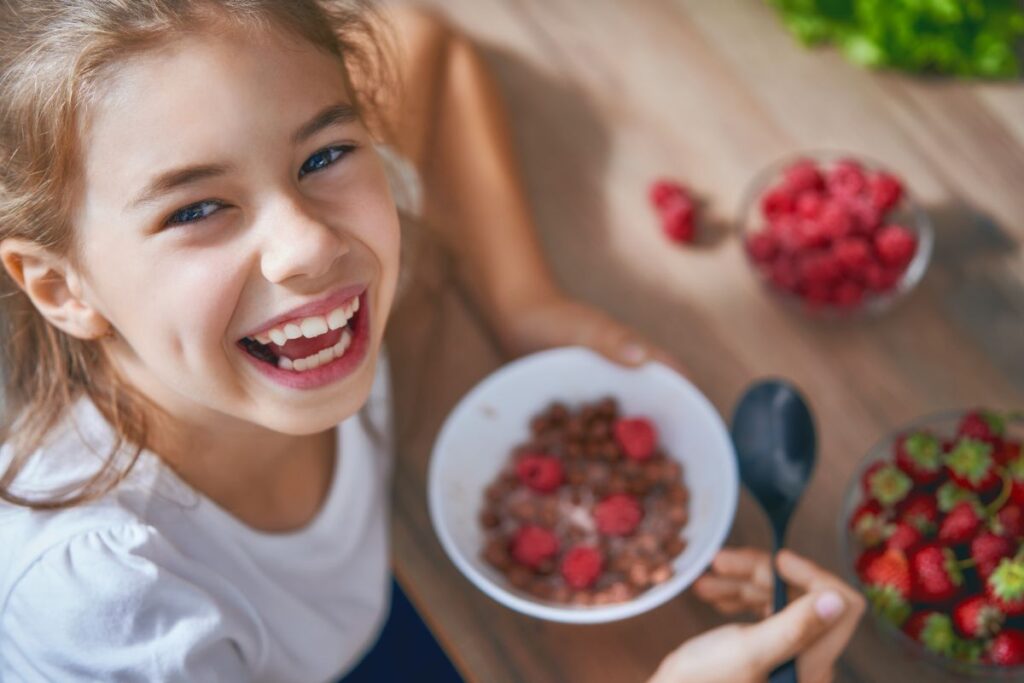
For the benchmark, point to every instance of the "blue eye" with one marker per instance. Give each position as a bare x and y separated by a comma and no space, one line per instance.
324,158
195,212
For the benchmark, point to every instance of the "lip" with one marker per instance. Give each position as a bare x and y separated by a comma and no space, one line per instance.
332,372
318,307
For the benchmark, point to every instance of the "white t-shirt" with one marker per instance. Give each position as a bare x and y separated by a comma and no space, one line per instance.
155,582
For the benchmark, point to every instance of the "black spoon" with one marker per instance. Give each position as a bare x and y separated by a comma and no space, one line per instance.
773,432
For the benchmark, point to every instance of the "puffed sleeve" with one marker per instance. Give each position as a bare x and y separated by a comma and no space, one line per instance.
115,605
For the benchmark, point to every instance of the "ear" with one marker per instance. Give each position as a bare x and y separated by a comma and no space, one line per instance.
53,287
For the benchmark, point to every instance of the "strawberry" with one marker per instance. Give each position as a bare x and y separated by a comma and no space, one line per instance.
1007,451
1015,473
618,515
865,560
960,525
887,484
542,473
636,436
920,456
891,569
1009,521
886,576
1007,648
949,494
933,630
983,425
988,550
935,574
972,466
921,510
582,566
869,523
1005,586
534,545
904,537
975,617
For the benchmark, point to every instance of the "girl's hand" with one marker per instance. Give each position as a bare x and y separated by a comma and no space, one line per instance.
814,628
554,319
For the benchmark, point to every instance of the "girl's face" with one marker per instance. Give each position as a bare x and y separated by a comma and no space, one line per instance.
236,229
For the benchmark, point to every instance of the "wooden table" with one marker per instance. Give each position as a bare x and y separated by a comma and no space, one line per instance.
606,95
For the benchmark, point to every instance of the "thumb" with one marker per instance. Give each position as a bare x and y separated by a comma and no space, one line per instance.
783,636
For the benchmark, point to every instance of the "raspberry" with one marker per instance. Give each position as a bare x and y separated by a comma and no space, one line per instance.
534,545
542,473
636,436
664,189
778,202
762,246
618,515
848,294
866,218
846,179
677,219
786,230
803,176
783,274
854,255
878,278
817,295
885,191
582,566
809,205
896,246
835,220
819,269
811,234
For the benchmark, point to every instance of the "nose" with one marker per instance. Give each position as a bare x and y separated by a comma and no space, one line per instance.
298,243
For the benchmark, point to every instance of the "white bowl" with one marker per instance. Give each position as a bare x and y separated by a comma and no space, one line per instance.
494,417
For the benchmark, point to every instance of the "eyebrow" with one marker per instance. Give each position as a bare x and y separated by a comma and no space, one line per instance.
165,182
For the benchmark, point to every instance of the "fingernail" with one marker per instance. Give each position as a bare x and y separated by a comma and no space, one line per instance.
829,605
633,353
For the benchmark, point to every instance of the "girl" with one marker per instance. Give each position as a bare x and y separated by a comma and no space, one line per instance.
201,250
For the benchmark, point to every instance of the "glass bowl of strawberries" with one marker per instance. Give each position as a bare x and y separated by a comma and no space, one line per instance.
933,534
835,235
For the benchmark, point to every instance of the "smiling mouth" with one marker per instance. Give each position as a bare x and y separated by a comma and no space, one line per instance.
306,343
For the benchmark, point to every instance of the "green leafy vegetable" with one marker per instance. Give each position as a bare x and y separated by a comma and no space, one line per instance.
966,38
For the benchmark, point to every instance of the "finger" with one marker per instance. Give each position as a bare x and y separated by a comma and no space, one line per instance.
802,572
784,635
730,608
710,587
741,563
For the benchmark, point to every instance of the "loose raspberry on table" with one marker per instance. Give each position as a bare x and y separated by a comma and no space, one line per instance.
618,515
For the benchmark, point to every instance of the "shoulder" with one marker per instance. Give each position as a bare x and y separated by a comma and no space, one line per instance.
111,601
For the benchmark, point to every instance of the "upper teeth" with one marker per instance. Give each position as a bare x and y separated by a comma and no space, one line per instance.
312,326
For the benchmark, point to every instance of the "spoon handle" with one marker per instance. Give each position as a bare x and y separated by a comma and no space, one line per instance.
785,672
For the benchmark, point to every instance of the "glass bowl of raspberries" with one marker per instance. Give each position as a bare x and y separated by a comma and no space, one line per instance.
933,534
575,490
835,235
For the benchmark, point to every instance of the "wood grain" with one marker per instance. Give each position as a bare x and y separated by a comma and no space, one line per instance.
605,96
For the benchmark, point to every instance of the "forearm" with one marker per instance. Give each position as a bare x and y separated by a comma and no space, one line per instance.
456,131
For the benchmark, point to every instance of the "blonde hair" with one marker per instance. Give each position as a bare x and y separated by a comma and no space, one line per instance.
52,54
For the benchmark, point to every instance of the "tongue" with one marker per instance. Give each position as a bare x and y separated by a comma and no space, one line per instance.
302,347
